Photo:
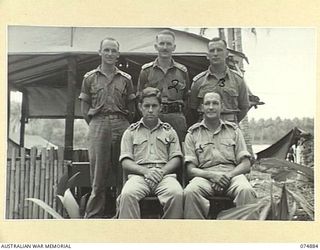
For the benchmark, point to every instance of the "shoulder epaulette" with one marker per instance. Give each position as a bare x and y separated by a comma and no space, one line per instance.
232,124
134,126
90,73
147,65
126,75
197,77
194,127
236,72
166,125
181,67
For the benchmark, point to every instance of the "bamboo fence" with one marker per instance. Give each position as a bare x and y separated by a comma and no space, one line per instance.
33,176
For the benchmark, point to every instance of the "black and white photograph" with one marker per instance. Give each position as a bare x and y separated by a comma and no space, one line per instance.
164,122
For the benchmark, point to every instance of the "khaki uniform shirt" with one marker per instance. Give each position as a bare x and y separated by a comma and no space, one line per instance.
232,89
145,146
219,151
107,95
174,84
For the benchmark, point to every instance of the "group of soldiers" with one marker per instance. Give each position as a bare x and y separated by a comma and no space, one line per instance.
149,151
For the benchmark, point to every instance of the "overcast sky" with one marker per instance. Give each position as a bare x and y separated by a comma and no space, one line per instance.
282,70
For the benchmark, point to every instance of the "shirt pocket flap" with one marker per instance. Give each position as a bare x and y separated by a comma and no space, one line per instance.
138,140
227,142
96,88
201,146
231,92
166,139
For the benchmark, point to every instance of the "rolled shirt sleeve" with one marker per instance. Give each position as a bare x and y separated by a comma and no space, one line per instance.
174,146
85,91
240,147
190,150
126,146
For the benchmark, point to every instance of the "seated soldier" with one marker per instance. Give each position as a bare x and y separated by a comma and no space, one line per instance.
216,159
150,154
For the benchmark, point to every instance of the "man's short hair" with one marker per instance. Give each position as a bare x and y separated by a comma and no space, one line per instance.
212,92
218,39
150,92
110,39
166,32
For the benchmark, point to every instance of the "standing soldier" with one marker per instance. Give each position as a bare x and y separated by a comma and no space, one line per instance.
106,95
219,78
171,78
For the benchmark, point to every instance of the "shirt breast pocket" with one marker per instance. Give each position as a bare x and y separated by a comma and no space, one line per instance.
163,145
140,146
120,89
231,98
96,92
227,147
204,151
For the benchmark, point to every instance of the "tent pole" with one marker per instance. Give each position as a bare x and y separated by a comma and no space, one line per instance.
69,125
23,119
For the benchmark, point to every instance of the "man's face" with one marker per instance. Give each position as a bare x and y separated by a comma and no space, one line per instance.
211,106
109,52
165,45
150,109
217,53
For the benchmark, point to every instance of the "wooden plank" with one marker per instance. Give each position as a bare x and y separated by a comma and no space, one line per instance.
60,162
12,182
33,159
51,178
16,191
8,174
22,181
47,183
42,179
69,124
35,210
26,190
60,171
55,183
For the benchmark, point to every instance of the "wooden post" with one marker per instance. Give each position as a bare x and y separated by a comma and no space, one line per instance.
17,190
9,162
42,179
69,126
231,40
23,119
12,182
35,211
222,34
47,182
33,159
51,177
26,189
244,124
22,182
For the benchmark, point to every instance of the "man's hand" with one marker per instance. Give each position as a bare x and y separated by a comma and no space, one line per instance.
218,189
224,181
153,177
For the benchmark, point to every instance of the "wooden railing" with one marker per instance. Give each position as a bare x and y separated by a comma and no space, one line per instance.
33,176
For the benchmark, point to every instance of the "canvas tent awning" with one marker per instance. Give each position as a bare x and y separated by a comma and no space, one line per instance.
281,148
38,59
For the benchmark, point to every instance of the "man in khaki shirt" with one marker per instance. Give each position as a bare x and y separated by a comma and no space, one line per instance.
107,100
221,79
216,158
171,78
150,154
